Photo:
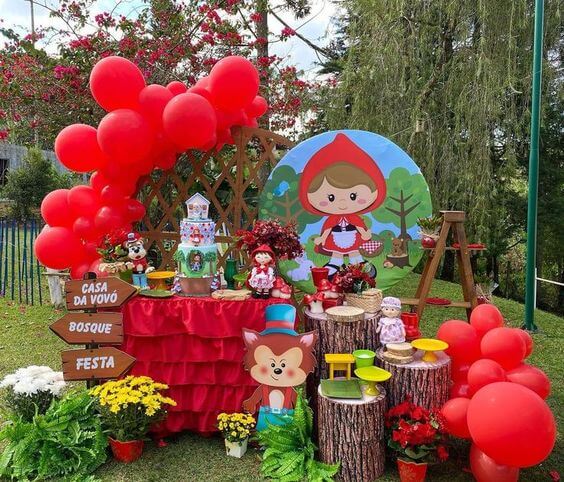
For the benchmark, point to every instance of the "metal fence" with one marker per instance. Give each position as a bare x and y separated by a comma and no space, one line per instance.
20,272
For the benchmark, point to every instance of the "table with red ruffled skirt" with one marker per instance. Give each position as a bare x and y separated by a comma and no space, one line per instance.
195,346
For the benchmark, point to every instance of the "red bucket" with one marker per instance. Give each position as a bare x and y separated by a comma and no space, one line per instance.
127,451
411,471
319,274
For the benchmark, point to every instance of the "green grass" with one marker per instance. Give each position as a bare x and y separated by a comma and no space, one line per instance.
25,339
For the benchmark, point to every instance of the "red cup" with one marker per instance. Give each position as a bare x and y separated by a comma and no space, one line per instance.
319,274
126,452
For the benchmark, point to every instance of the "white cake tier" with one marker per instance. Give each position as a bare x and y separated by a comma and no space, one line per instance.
197,233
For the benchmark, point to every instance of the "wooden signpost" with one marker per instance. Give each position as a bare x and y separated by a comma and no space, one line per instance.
92,328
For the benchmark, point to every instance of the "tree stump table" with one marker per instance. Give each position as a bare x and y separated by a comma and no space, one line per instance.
352,432
337,337
427,384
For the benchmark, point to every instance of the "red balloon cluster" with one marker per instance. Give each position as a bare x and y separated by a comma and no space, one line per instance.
497,400
145,128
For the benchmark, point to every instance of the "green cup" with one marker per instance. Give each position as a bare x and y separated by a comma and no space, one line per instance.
364,358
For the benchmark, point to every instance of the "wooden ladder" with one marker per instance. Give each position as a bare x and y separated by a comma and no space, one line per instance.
451,220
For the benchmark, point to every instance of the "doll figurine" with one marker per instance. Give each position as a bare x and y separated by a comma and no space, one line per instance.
390,326
137,253
261,279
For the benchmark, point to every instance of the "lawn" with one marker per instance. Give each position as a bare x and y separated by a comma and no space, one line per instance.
26,340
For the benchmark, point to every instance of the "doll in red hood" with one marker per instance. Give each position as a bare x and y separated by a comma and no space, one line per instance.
261,279
341,181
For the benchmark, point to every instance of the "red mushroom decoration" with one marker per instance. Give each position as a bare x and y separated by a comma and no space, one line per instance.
315,302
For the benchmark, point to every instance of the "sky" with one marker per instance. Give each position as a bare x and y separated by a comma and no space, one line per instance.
316,27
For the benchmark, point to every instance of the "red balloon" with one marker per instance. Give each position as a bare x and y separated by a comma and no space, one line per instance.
234,83
485,317
152,101
511,424
134,210
531,377
108,218
57,247
77,271
483,372
459,372
115,83
167,161
84,228
125,136
460,389
258,107
77,148
505,346
95,268
91,252
198,90
98,181
189,121
55,208
486,469
83,201
464,345
527,339
454,412
112,195
177,87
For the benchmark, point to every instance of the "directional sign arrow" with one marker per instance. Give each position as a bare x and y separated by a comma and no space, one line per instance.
84,328
97,363
109,292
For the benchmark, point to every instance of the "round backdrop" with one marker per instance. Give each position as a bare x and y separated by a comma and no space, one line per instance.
355,198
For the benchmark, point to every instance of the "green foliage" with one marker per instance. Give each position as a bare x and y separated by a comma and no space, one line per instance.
30,183
407,198
289,452
430,225
24,405
68,440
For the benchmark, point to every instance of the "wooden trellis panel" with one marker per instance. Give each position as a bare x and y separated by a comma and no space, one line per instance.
231,180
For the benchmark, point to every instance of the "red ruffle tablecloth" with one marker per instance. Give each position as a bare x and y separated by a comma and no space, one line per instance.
195,346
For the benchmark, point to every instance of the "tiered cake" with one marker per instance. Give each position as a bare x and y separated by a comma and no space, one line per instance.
197,252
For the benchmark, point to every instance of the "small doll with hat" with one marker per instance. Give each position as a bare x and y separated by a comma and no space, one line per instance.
279,359
390,326
261,278
137,254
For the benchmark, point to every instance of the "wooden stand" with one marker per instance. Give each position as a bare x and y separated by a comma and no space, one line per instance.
454,220
427,384
352,432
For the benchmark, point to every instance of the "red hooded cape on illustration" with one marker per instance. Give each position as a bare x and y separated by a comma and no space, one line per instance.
342,150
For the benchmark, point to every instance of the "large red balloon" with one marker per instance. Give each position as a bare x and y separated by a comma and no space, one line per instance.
84,228
108,218
483,372
459,372
511,424
57,247
505,346
234,83
527,339
55,208
460,389
454,412
83,201
115,83
78,270
125,136
77,148
530,377
152,101
189,121
485,317
485,469
464,344
257,107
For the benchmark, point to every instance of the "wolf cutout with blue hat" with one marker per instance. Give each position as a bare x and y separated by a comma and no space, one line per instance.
279,359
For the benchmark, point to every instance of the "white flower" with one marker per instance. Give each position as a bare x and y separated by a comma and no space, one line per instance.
8,380
57,387
25,388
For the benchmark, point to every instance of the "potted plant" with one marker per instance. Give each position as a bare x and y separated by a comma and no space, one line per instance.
30,391
359,287
236,428
484,286
128,408
418,437
429,229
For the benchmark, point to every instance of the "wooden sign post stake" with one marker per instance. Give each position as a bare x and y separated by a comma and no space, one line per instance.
93,328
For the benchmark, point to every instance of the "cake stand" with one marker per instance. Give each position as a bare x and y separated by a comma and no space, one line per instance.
429,346
371,375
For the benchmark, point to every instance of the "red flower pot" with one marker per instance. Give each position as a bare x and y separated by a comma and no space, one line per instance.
411,324
319,274
127,451
428,242
411,471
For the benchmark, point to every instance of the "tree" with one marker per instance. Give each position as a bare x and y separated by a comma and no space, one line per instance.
210,258
407,199
27,185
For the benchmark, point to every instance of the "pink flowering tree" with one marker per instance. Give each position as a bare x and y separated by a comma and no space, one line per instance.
42,93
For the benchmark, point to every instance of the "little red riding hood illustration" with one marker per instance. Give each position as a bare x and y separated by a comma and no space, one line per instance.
341,181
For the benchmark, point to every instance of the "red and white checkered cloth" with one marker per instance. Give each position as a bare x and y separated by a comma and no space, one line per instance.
371,246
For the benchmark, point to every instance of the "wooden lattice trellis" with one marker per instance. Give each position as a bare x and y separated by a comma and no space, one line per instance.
231,179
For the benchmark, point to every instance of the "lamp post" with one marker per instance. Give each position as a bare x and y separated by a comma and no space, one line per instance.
531,281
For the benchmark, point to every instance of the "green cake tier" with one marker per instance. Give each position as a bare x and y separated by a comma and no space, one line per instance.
196,261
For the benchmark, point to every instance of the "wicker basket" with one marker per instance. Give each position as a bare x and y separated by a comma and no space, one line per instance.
369,300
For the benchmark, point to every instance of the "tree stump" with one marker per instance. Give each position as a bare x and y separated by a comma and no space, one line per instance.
352,432
427,384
